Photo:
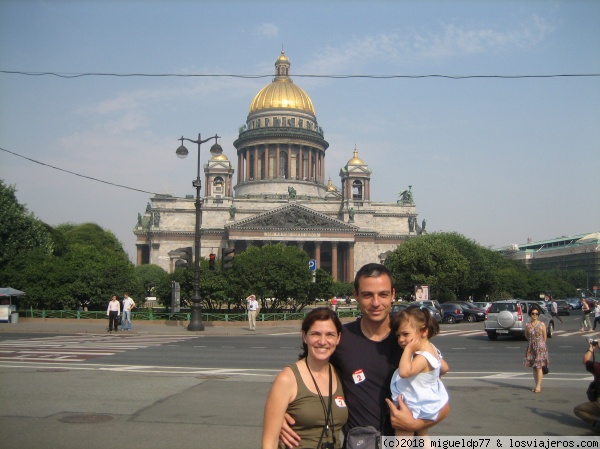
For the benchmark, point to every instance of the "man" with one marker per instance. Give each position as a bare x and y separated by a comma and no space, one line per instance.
366,358
590,411
128,305
554,310
252,310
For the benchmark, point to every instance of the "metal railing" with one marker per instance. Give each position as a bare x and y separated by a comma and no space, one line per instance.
151,315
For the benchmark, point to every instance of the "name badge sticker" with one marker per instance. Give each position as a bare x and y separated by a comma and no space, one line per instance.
339,401
358,376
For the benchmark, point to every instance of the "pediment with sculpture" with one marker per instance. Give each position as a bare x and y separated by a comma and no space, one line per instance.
292,217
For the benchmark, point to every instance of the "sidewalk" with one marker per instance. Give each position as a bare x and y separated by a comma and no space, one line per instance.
211,328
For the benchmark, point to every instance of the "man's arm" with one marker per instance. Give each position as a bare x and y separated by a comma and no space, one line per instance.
402,419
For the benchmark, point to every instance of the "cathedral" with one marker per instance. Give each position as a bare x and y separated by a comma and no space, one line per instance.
279,195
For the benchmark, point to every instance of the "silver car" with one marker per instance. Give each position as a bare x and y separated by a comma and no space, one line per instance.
510,316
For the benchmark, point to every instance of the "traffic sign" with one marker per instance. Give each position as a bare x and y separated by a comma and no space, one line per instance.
312,265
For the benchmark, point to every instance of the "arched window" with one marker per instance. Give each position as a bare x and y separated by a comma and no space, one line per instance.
357,190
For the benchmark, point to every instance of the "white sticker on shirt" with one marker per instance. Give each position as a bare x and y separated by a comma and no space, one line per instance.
339,401
358,376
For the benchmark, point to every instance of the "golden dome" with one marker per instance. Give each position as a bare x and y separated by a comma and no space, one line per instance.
331,187
355,159
282,92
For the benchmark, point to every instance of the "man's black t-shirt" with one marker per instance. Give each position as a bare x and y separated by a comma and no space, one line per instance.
366,369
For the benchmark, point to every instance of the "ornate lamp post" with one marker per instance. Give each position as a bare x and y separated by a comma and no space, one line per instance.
196,323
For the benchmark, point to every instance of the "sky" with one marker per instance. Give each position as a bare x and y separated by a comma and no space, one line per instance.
496,159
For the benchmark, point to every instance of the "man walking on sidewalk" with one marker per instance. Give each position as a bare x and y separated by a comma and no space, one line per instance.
554,310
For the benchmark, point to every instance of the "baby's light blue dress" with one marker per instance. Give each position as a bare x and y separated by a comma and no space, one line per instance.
424,393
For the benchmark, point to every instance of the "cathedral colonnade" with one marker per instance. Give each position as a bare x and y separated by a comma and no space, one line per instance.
281,161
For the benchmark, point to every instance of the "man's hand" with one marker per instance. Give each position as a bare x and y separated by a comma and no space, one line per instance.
402,419
287,436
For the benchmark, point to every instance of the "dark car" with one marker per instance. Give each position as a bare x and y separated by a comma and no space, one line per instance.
399,307
472,313
453,313
563,307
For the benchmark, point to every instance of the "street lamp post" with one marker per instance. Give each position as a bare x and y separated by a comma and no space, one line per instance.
196,323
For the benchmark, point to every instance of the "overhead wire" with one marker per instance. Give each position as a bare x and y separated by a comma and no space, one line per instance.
83,176
230,75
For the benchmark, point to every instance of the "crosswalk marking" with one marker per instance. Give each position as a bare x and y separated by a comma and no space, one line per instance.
79,347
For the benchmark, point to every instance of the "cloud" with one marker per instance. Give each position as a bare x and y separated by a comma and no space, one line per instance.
267,30
450,41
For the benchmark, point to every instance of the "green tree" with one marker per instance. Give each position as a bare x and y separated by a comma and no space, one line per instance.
150,276
428,260
91,265
277,272
20,230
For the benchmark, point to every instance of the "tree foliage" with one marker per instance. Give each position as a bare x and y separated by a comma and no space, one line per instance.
20,230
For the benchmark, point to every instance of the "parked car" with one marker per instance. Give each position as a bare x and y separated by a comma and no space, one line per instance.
398,307
481,305
575,303
452,313
563,307
509,317
472,313
433,303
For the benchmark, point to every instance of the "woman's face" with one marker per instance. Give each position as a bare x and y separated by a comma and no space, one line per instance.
321,339
535,314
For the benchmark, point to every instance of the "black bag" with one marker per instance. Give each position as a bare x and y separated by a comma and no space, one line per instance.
592,392
545,370
363,438
118,320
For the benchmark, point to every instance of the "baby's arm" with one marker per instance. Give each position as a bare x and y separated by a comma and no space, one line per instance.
444,367
409,365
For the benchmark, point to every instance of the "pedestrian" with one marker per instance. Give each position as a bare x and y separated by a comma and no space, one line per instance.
366,358
585,316
113,312
554,310
536,356
596,313
334,304
252,304
128,305
417,378
310,390
590,411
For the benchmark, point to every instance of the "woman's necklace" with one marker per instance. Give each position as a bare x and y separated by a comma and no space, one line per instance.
326,410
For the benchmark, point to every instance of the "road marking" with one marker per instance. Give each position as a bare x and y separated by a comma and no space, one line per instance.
79,347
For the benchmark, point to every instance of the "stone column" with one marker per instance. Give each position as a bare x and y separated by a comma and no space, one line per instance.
140,254
310,171
247,157
267,162
256,173
334,260
277,162
318,254
350,263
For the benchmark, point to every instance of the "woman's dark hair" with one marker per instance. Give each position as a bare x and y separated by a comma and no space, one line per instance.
534,307
318,314
420,316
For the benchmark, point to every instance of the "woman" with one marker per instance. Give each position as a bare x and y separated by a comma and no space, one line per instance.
590,411
112,312
536,356
585,316
309,390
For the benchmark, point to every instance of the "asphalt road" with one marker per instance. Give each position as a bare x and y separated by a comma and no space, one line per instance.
203,391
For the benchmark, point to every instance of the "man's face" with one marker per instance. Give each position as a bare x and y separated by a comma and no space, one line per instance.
419,294
375,297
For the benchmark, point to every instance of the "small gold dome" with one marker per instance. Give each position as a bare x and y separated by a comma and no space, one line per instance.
220,157
331,187
282,92
355,159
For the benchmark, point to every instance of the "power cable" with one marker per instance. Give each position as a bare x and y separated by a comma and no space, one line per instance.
84,176
215,75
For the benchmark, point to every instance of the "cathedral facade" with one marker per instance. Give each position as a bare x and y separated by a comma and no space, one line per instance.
280,195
